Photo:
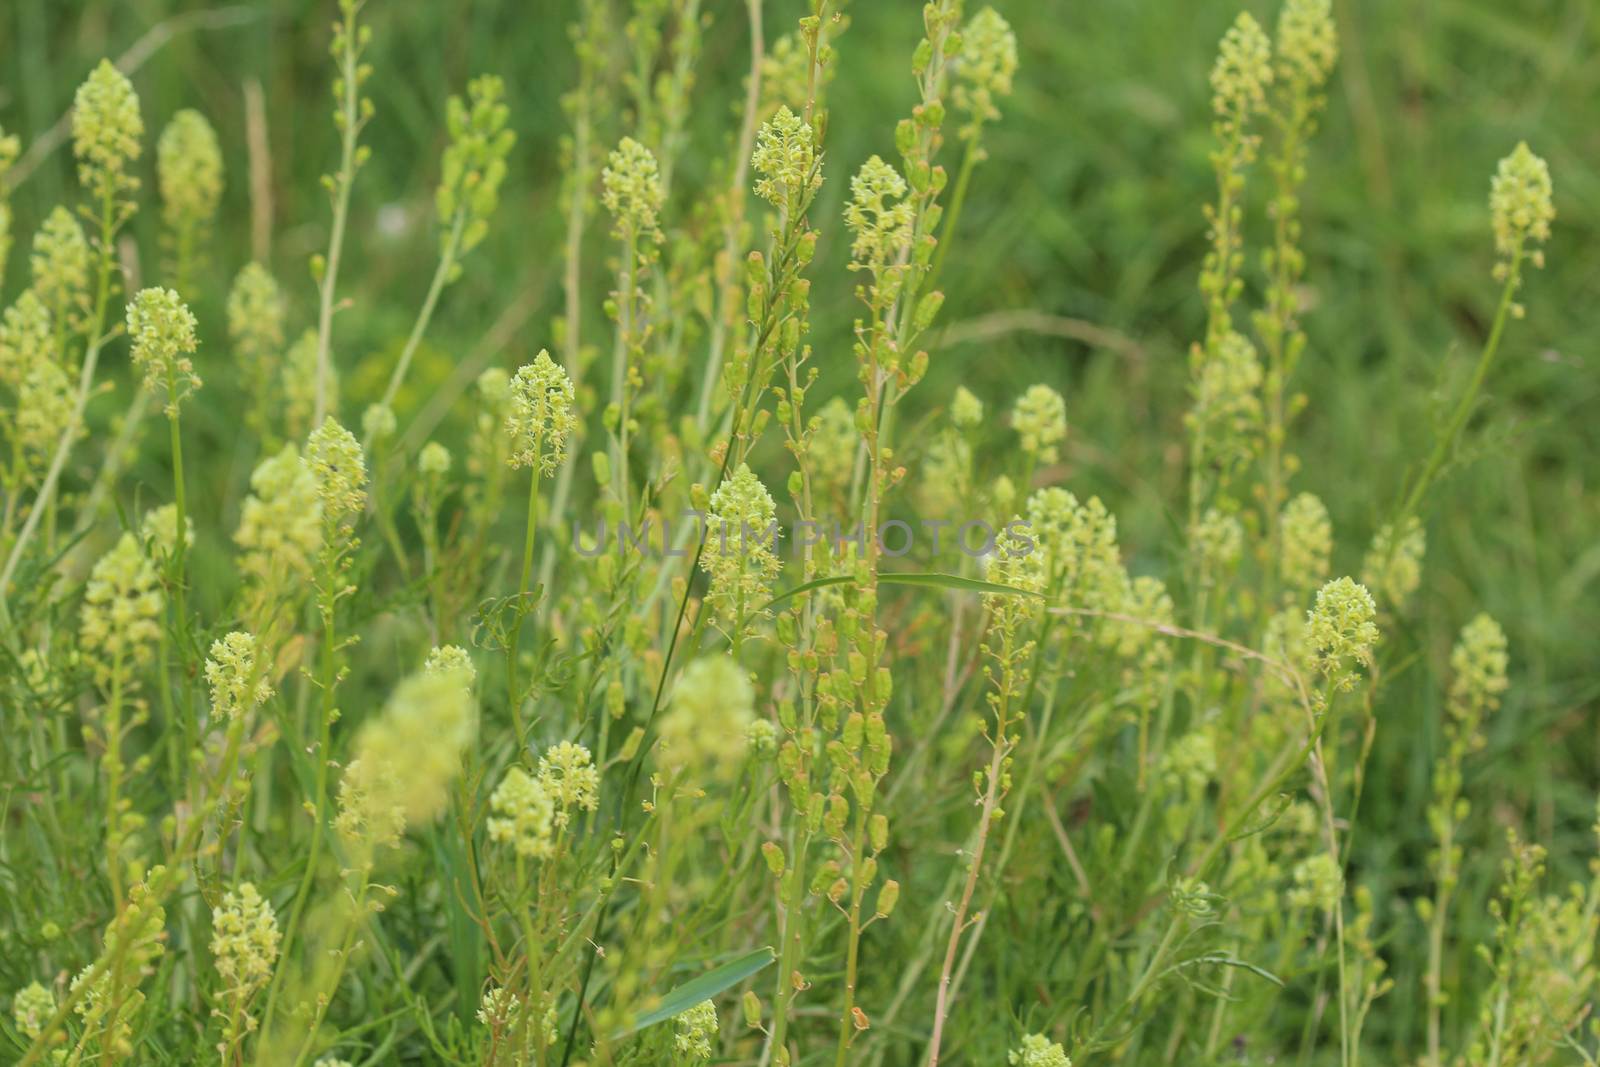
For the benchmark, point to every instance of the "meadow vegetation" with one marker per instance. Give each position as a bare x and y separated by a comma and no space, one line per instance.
604,607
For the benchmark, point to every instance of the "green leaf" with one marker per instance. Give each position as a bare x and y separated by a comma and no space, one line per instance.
692,992
929,579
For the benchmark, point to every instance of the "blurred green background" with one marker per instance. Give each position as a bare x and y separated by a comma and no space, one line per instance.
1087,216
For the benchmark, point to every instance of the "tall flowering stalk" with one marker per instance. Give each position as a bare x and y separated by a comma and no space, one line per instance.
1224,369
189,174
471,171
539,422
1304,53
1521,209
338,470
352,112
106,134
163,334
631,190
1479,663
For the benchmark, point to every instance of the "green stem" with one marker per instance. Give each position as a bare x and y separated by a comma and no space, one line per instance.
326,680
1458,420
512,694
441,276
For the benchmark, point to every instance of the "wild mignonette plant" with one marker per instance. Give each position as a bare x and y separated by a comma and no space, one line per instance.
748,696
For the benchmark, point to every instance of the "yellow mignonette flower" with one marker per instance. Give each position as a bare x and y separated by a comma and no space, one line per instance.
338,468
540,416
1342,632
405,760
188,171
1242,71
106,132
238,683
630,188
122,608
1521,207
1040,419
244,940
1038,1051
707,723
163,333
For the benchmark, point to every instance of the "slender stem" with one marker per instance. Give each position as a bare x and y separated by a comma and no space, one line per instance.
441,277
513,696
350,132
326,680
991,800
1458,420
181,533
113,760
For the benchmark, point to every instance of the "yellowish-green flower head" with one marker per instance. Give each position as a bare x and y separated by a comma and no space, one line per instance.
474,164
434,460
189,171
630,188
1217,542
1308,43
25,338
984,68
1190,762
31,1008
1038,1051
528,811
541,415
280,523
693,1033
300,385
568,771
159,532
1392,567
255,315
452,659
878,215
786,159
244,940
966,410
1478,664
523,815
238,683
46,399
1243,70
1040,419
406,758
1307,541
122,608
1342,631
494,388
60,265
163,334
106,132
332,1061
339,469
740,552
707,723
378,422
1077,546
1318,883
1017,561
1226,416
1521,207
831,451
